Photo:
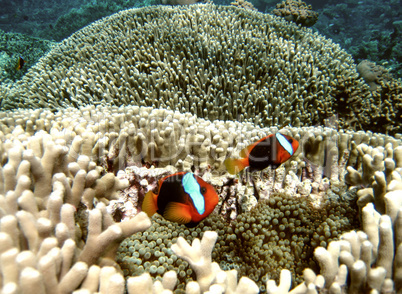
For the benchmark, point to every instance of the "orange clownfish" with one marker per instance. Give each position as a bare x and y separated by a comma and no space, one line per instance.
183,198
272,150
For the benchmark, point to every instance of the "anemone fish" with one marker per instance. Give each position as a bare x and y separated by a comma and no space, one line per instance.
183,198
272,150
20,63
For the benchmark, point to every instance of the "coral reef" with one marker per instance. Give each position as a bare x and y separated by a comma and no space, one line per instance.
296,11
372,73
192,70
244,4
278,233
362,261
376,108
72,179
43,249
315,90
385,106
379,168
199,256
58,185
320,78
349,104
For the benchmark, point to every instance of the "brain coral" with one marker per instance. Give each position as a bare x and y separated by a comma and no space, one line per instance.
214,61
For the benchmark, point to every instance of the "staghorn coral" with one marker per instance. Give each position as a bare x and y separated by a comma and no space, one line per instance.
296,11
215,62
53,160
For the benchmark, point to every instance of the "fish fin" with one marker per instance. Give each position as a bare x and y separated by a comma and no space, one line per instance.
149,204
177,212
234,166
246,151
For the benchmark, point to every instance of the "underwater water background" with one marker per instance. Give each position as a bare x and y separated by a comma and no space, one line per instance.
366,29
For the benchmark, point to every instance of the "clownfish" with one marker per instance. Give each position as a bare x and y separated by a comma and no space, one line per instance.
20,63
183,198
272,150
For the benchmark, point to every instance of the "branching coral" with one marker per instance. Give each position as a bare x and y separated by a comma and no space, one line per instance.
384,107
281,232
367,257
40,192
209,275
217,62
58,183
379,168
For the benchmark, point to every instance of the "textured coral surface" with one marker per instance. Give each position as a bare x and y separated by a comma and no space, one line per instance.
296,11
279,233
72,183
216,62
74,170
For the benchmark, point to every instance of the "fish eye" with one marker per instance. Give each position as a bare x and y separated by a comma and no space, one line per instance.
203,190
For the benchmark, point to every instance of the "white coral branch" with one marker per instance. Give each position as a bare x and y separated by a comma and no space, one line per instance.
198,255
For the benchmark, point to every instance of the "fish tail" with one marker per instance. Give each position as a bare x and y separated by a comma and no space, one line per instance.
234,166
149,204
